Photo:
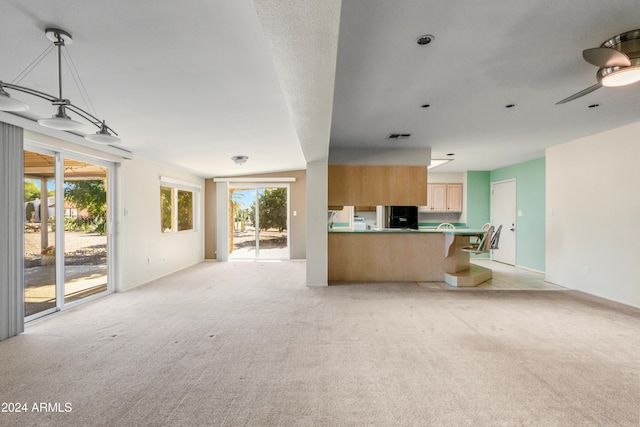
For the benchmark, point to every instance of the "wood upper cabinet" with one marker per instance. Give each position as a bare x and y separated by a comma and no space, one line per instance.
364,185
443,198
437,197
454,197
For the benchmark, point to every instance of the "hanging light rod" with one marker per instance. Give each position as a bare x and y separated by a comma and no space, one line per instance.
60,120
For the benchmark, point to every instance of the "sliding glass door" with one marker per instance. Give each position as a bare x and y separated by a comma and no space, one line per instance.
66,229
259,222
39,233
85,229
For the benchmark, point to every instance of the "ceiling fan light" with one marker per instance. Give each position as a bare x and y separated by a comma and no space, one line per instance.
9,104
621,77
61,121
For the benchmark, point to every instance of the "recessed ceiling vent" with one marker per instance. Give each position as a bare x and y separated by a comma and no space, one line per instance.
398,136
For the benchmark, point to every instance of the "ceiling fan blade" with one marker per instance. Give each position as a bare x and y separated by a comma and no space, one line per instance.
583,92
606,57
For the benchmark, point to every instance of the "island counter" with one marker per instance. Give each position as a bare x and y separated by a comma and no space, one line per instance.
393,255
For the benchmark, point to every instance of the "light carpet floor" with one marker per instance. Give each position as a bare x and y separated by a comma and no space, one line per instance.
246,343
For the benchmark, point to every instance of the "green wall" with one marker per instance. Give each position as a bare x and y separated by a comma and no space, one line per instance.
478,201
530,200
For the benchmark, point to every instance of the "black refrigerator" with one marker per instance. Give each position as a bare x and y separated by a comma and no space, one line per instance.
403,217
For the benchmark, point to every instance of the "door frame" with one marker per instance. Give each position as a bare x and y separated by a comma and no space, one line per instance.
59,156
255,185
515,216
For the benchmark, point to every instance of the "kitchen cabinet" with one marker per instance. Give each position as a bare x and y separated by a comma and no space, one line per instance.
371,185
454,197
365,209
443,198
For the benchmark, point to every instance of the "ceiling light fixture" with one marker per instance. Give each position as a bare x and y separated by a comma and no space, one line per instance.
240,160
425,39
60,120
619,76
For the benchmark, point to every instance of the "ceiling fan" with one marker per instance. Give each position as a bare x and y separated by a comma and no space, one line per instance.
618,59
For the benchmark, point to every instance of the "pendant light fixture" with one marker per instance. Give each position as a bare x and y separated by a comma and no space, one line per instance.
60,120
7,103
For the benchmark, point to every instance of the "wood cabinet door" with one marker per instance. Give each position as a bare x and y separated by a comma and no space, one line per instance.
454,197
438,200
362,185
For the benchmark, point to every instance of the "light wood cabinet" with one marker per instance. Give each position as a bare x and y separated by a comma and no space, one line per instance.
443,198
364,185
437,197
365,209
454,197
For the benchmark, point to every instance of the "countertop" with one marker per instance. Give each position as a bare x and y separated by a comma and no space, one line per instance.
457,231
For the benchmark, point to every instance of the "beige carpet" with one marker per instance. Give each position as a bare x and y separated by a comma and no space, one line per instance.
245,343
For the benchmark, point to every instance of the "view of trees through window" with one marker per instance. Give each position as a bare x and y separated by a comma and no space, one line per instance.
90,196
273,209
185,210
176,209
166,201
262,237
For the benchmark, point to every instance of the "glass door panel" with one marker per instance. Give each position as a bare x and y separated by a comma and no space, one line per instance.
242,230
85,229
258,223
39,234
273,221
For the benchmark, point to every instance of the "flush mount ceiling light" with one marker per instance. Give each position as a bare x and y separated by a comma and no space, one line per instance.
425,39
618,59
60,120
240,160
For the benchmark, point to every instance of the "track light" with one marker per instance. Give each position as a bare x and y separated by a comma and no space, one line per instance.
9,104
60,120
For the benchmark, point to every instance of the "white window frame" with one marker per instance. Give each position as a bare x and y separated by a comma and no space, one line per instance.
179,185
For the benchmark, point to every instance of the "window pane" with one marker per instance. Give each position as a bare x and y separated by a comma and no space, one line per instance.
166,203
185,210
39,233
85,230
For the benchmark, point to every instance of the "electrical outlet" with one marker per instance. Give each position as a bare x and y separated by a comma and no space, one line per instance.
148,260
586,271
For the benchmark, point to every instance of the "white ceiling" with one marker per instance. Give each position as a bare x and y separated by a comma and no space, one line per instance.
194,83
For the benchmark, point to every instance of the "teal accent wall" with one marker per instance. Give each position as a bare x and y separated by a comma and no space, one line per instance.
530,199
478,201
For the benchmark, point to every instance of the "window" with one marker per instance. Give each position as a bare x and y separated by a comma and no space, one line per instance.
185,210
177,206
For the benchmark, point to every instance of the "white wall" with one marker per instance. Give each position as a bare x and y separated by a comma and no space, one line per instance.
593,214
317,241
138,225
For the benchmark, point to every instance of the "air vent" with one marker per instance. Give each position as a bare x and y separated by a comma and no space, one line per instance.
399,136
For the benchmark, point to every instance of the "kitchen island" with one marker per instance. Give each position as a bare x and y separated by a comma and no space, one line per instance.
392,255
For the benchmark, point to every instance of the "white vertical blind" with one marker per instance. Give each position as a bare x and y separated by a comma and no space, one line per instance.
222,215
11,231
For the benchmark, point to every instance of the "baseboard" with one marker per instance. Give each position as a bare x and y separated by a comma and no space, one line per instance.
530,269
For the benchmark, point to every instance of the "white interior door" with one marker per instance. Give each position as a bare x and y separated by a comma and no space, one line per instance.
503,212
